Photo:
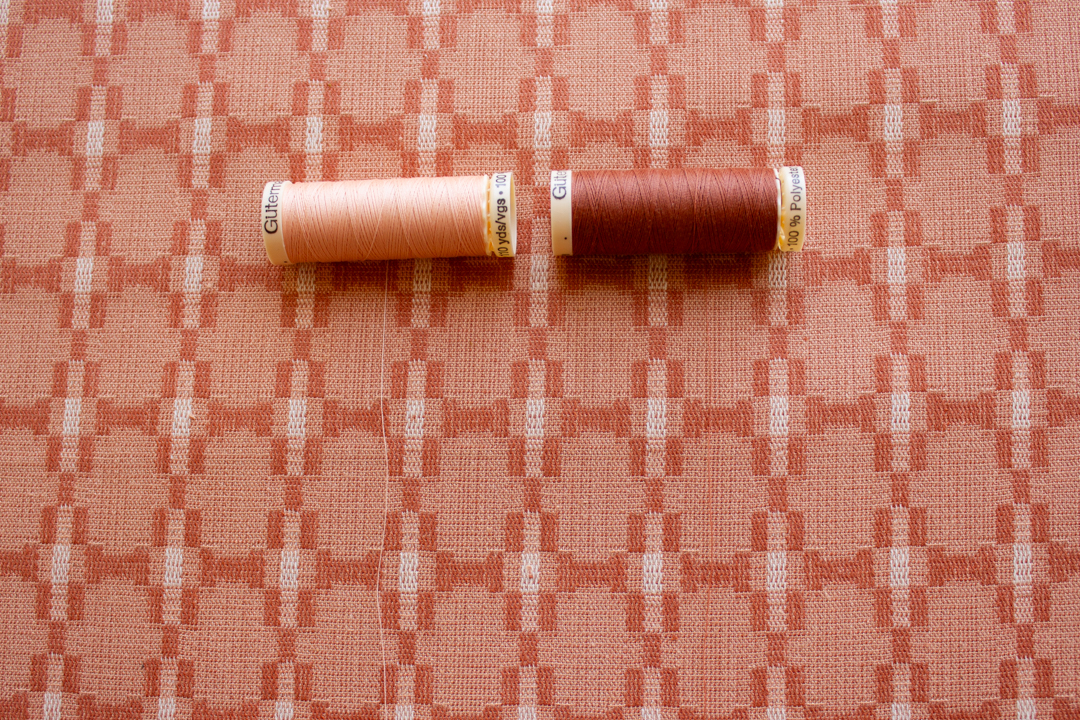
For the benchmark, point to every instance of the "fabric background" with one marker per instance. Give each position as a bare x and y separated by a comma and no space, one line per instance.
842,484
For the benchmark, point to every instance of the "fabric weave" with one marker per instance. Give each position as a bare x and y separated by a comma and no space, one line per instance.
838,484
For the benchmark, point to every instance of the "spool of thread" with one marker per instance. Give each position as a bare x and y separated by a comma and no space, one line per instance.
687,211
393,219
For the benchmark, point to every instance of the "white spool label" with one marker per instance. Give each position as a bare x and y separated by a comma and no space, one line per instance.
273,226
791,234
562,220
502,216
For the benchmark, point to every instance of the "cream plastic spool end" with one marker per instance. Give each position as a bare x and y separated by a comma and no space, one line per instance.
791,196
562,217
501,205
273,226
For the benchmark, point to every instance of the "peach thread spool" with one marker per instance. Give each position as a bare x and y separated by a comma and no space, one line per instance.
389,219
678,211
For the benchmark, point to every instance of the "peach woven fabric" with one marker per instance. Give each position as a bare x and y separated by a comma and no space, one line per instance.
841,484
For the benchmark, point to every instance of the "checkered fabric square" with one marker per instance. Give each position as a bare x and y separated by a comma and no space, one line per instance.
837,484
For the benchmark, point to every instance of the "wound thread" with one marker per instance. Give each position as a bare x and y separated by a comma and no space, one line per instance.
393,219
684,211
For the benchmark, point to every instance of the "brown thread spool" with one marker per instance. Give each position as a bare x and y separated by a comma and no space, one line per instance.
390,219
628,212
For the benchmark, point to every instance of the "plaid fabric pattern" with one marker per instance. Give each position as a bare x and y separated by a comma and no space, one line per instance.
838,484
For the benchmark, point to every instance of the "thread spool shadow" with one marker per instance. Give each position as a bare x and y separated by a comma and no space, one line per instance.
577,281
722,296
574,274
479,274
461,274
738,271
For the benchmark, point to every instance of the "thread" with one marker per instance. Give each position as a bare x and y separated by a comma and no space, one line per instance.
392,219
685,211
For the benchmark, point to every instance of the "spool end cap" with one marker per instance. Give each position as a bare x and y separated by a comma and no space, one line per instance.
273,226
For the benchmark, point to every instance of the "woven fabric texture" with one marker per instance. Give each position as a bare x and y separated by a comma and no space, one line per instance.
837,484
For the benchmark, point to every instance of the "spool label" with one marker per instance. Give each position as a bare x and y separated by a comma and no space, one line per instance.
502,216
562,220
792,231
273,227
